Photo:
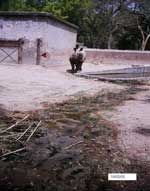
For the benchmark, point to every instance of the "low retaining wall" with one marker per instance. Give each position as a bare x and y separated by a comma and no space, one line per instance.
100,56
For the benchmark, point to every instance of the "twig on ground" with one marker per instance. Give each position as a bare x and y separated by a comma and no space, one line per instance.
15,124
68,147
34,131
12,152
12,135
22,134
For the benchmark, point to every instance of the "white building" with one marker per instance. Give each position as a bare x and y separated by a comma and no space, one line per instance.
45,38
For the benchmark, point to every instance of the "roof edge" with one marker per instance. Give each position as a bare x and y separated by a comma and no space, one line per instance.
38,14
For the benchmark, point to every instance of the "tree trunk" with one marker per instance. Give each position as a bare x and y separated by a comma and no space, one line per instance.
145,38
110,40
145,42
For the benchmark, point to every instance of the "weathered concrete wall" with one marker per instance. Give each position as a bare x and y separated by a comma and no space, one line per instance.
58,40
99,56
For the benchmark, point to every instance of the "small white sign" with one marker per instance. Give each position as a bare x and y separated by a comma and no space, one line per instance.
122,177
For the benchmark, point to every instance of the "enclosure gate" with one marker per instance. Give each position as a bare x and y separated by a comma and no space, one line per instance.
15,45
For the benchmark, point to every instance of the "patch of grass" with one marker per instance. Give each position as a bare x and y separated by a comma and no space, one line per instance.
52,124
3,125
75,115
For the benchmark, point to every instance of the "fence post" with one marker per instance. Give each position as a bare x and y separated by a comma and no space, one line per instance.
38,58
20,50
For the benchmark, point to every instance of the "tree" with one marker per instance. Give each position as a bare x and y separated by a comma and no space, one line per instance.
74,12
100,22
4,5
22,5
66,9
141,8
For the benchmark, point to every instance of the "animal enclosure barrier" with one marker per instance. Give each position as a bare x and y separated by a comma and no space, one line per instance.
126,74
15,46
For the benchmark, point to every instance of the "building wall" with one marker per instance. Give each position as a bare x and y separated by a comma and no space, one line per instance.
99,56
61,41
58,40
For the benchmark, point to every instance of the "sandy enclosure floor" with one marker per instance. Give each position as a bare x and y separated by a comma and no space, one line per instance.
133,122
28,87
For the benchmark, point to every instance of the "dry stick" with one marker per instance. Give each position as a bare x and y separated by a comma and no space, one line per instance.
22,134
33,131
15,124
12,152
68,147
12,135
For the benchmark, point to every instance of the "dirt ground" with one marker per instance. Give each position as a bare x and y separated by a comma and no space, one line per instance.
74,149
28,87
87,129
132,119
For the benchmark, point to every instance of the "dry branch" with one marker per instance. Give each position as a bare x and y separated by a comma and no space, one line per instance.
22,134
12,152
12,135
68,147
15,124
34,131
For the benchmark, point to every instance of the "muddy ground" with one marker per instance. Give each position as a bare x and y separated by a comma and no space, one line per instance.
74,149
